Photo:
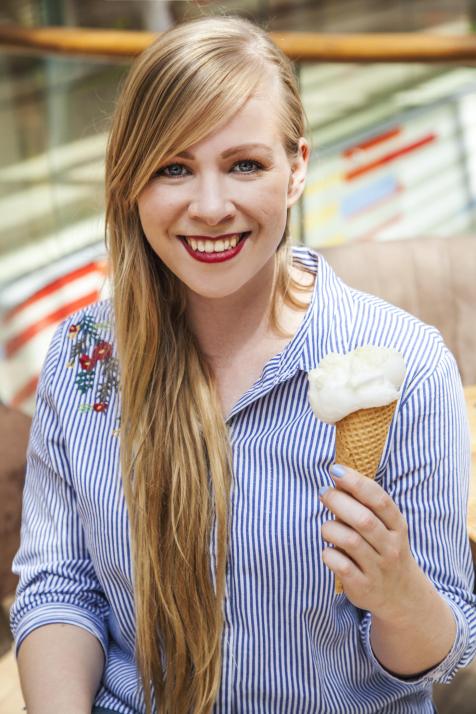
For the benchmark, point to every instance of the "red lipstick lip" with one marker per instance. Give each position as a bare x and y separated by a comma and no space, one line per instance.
215,257
225,235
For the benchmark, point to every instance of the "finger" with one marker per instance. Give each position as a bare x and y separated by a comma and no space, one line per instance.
369,493
351,543
357,516
342,566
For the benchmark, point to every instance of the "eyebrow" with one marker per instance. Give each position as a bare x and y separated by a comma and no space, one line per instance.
233,150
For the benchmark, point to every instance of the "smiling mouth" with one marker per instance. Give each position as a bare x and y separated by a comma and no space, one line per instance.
219,245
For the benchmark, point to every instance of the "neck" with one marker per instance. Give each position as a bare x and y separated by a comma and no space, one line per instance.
228,326
235,327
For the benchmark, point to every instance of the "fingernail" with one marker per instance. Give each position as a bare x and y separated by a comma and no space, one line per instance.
323,489
337,470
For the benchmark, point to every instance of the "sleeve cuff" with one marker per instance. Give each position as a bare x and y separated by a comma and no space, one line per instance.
443,672
50,613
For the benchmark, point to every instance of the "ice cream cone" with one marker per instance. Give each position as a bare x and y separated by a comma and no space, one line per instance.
358,392
360,438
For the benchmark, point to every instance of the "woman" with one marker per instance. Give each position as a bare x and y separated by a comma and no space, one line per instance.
210,590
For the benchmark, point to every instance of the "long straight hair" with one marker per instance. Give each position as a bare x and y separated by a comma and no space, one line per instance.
174,445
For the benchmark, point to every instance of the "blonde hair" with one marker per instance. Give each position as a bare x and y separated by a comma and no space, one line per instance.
174,445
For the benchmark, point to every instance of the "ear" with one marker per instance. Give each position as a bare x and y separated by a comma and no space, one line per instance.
298,172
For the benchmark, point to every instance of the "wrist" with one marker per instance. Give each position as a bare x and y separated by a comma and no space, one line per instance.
417,637
413,599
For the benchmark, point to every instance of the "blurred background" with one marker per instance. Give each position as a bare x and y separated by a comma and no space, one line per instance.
394,149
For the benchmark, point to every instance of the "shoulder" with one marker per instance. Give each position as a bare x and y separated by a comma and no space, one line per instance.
355,319
84,332
99,313
92,318
81,367
381,323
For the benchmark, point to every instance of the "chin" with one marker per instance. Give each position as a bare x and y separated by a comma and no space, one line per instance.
214,292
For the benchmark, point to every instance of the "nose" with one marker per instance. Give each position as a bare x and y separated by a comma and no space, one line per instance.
209,203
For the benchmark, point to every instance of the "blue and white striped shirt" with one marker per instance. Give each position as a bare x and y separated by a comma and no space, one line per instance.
290,646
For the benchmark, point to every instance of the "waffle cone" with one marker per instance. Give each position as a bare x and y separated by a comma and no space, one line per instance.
360,438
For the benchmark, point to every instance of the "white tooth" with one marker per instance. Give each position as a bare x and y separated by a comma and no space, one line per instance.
201,246
219,246
233,241
227,243
193,243
209,246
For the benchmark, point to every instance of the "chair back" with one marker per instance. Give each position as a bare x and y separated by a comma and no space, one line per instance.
432,278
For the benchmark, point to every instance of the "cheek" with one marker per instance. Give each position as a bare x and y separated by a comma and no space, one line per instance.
150,208
270,196
145,208
271,200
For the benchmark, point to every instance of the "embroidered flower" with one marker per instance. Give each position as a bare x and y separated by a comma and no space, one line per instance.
103,350
94,356
100,407
86,362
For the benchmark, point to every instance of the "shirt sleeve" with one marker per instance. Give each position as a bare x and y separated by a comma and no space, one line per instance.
57,581
427,475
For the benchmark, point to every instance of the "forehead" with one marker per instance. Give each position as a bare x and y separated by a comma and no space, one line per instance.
254,126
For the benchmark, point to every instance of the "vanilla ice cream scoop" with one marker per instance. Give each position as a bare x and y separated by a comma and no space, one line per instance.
343,383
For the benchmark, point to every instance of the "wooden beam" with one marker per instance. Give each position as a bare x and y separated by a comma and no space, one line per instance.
395,47
72,41
305,46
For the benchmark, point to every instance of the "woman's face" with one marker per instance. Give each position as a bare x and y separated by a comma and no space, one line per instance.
217,191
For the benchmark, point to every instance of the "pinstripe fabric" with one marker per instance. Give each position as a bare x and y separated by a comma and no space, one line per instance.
290,646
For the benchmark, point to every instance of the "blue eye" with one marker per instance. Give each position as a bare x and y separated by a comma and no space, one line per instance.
163,171
249,161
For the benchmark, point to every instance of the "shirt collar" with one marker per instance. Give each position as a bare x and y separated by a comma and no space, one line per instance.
326,326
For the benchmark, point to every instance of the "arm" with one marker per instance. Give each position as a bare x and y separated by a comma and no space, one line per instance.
58,583
412,573
413,628
60,670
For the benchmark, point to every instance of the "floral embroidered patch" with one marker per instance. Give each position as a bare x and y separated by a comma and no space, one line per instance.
94,356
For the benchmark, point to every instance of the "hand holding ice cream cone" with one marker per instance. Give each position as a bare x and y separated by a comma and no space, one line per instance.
371,550
358,392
